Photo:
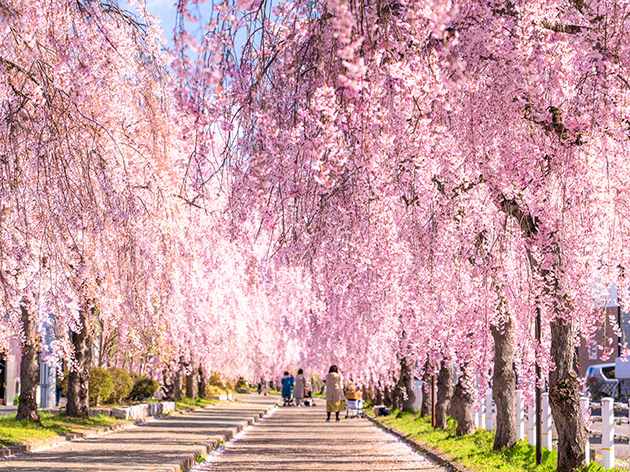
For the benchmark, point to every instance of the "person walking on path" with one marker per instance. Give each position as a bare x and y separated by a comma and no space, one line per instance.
300,386
334,392
287,387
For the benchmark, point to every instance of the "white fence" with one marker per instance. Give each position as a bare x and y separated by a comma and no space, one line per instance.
608,421
526,423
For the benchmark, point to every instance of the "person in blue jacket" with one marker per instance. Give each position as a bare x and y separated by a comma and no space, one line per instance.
287,387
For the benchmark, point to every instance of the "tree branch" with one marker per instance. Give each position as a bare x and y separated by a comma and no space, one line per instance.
562,28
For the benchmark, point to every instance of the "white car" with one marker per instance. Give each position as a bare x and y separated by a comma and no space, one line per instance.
602,376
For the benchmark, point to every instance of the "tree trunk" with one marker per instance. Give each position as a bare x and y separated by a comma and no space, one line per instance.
398,394
101,347
202,384
192,384
378,395
79,377
462,405
168,384
387,398
564,389
425,410
444,393
29,376
504,383
178,383
564,397
406,382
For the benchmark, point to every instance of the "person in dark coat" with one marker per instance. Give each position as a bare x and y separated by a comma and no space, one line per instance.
287,387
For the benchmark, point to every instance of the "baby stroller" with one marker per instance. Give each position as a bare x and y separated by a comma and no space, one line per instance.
354,406
288,401
308,397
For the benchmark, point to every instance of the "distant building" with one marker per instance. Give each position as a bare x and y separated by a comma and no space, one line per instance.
10,369
588,354
10,373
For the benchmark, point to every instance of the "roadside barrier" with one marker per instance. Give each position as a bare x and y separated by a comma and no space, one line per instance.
526,422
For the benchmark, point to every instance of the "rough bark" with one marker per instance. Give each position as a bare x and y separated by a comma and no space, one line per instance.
178,383
444,393
78,405
398,395
388,401
29,376
378,396
504,383
564,398
564,388
192,384
425,410
202,384
462,405
168,384
406,383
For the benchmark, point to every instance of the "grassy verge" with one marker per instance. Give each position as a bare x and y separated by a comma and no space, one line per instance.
197,403
23,432
475,451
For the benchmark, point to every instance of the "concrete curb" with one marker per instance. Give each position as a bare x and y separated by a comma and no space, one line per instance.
437,456
35,446
187,461
46,443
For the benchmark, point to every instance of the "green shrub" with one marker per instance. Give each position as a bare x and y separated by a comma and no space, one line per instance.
215,386
101,385
122,385
144,387
212,390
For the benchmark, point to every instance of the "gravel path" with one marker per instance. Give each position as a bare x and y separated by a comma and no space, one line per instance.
143,448
298,439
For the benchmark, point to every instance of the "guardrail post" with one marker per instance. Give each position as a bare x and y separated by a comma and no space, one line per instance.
584,403
520,414
546,421
608,433
489,410
476,415
531,425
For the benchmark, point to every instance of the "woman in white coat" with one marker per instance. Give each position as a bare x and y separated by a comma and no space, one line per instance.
334,392
300,385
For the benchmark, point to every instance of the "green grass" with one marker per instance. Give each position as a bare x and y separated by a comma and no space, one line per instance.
197,403
23,432
475,451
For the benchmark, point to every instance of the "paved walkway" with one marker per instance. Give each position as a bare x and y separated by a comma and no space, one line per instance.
143,448
298,439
